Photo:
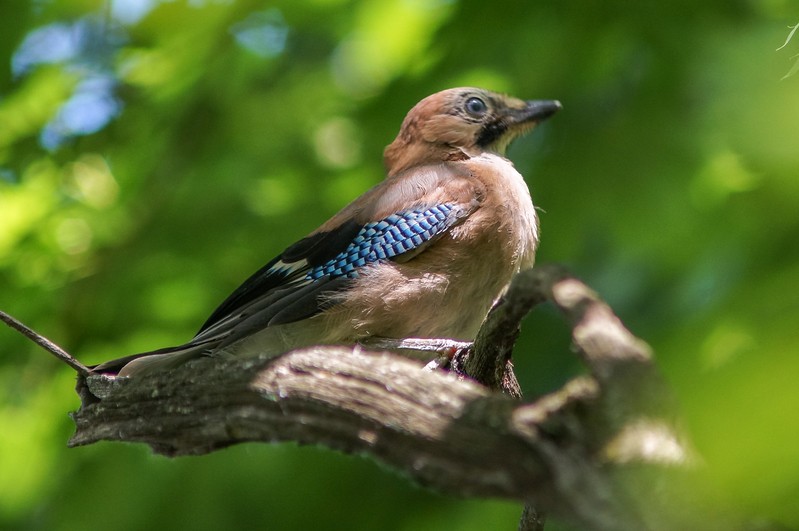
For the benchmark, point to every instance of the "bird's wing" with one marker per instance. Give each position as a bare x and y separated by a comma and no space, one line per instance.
396,220
289,289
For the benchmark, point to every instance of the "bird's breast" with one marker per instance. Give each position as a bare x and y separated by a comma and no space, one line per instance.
447,290
506,221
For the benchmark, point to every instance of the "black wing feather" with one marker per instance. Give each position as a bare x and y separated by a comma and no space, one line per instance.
315,250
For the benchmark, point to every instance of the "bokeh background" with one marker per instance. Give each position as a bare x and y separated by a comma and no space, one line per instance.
154,153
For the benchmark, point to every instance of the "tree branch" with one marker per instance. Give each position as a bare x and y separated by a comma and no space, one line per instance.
45,343
562,451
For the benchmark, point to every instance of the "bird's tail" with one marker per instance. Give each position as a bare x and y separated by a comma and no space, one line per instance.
155,360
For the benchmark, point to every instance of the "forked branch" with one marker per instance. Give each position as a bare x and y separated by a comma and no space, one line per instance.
563,451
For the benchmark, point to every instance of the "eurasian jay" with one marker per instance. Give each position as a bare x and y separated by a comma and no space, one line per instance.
424,254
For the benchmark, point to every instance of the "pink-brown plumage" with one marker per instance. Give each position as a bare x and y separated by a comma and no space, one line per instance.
449,151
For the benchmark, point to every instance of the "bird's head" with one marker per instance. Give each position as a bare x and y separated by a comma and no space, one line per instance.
463,122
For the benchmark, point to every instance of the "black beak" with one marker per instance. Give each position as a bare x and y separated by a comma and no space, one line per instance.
537,111
515,122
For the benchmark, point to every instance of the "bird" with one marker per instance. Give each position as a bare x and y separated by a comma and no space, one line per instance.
423,254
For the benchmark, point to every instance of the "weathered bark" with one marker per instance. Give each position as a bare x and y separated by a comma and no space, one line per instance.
574,453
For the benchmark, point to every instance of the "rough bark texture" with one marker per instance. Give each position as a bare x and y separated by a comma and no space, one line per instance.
584,453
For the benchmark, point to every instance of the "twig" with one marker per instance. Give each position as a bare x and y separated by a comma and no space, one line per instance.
46,344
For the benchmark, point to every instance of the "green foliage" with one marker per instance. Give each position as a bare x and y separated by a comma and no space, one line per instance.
155,153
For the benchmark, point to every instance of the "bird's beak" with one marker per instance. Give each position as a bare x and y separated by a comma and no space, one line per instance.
515,121
536,111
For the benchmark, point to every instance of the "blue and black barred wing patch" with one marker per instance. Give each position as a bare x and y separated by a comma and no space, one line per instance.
399,234
289,287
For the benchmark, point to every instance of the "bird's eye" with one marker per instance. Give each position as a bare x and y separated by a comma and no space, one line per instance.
475,107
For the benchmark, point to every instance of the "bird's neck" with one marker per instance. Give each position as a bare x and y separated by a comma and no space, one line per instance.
401,155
